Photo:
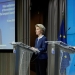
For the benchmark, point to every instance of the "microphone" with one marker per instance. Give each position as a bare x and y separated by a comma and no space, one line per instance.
53,51
70,33
68,29
22,44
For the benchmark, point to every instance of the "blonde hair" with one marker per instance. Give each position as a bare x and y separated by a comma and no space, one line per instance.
41,26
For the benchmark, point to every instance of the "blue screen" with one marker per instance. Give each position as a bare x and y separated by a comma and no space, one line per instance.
70,34
5,0
7,23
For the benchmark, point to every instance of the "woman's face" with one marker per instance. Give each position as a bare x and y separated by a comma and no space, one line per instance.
38,31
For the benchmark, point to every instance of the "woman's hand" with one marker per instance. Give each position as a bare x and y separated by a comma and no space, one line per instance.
35,49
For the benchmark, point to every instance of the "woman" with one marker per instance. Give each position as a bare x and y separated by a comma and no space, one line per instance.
41,61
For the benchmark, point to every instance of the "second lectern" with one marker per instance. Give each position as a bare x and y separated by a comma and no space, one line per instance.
54,58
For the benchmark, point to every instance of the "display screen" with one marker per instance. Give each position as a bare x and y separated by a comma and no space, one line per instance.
5,0
7,23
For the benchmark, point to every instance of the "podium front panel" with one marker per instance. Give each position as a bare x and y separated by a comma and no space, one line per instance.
23,57
64,62
58,60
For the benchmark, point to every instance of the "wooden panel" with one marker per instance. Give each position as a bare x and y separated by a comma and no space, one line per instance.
7,63
32,73
36,18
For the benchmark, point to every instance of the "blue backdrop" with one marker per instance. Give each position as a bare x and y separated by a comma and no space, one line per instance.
70,35
7,23
4,0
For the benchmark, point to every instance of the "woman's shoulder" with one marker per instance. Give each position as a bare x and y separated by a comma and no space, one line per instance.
44,37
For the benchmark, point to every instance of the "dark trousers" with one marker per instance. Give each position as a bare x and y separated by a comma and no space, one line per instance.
41,66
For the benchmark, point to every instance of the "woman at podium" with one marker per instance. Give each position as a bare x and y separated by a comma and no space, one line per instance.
41,61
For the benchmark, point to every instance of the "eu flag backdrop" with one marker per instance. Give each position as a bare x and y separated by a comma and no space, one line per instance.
65,56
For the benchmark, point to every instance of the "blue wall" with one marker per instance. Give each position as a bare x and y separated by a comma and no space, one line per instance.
71,38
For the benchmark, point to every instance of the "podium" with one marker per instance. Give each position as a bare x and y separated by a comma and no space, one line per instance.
23,56
54,56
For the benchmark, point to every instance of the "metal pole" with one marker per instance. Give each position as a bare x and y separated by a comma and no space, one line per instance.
51,60
54,60
17,61
57,60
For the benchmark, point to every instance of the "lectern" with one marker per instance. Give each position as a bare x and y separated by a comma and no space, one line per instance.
54,59
23,56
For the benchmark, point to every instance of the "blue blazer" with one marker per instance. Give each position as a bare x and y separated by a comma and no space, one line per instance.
42,47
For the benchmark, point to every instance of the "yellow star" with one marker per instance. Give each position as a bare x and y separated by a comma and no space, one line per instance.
60,35
65,56
64,37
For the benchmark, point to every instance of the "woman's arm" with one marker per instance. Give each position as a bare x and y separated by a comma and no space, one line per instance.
44,46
